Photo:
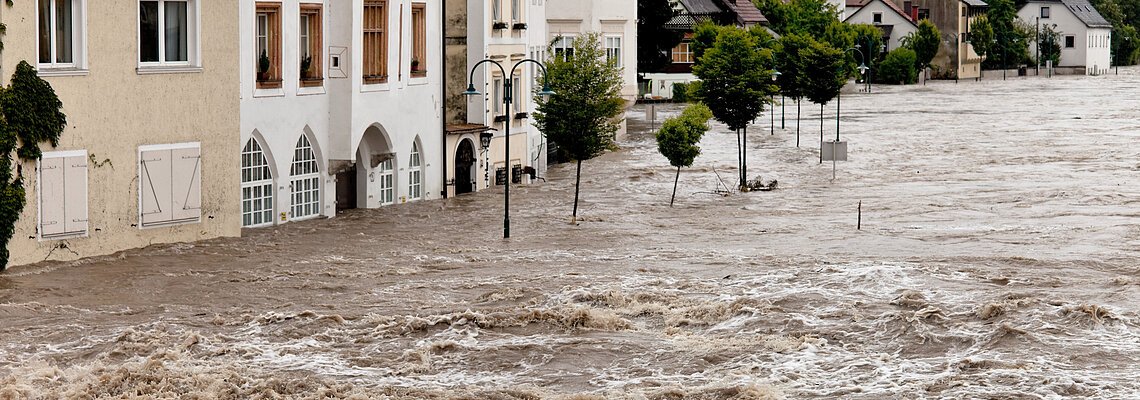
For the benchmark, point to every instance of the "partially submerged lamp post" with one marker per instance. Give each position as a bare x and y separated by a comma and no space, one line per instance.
772,100
486,140
839,97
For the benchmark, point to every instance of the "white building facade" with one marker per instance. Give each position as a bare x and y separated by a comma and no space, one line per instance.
886,16
340,106
1085,37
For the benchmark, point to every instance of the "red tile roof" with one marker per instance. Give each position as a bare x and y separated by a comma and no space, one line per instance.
746,12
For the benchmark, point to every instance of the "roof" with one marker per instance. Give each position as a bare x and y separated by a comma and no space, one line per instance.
746,12
460,129
857,3
1086,13
701,6
975,3
890,4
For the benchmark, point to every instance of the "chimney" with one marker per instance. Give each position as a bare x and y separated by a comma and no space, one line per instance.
914,14
906,7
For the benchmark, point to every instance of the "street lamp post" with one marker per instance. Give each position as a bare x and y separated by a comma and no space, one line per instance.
772,111
507,98
839,97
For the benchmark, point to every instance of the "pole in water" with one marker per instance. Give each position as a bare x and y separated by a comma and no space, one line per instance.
859,223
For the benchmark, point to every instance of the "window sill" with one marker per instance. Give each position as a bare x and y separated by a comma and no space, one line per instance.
64,236
269,84
277,92
375,80
46,72
310,91
419,74
168,70
418,81
312,82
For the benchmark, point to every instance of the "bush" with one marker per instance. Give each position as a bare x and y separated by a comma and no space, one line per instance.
898,67
681,92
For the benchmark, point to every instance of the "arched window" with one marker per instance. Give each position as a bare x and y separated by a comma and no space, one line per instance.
415,174
387,182
306,183
256,186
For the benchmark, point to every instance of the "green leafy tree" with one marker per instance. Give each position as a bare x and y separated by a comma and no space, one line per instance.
1124,36
704,37
654,40
1049,46
869,40
678,137
789,61
824,76
898,67
735,84
1010,46
30,113
810,17
584,113
982,36
924,42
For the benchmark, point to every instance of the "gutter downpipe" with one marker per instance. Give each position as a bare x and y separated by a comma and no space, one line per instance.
443,89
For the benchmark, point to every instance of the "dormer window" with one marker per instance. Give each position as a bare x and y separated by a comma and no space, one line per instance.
877,18
1044,12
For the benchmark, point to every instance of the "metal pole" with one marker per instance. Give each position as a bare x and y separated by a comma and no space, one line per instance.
443,94
1037,45
772,116
781,110
838,103
507,147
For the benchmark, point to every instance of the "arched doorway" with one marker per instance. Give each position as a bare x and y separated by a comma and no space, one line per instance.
465,167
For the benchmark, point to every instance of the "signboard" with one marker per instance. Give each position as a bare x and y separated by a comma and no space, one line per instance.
835,150
500,176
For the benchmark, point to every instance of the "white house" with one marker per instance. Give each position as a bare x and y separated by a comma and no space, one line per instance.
1085,36
885,15
617,23
340,106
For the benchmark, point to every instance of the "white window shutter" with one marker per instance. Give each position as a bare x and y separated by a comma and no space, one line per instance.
186,184
154,187
75,195
51,197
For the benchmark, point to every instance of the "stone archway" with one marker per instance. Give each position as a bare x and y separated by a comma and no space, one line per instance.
465,167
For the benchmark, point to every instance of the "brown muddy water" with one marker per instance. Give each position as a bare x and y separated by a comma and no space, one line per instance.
998,259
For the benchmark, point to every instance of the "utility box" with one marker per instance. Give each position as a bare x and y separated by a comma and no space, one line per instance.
835,150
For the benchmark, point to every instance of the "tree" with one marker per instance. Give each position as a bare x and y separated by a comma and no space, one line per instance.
869,40
805,17
735,84
1049,46
924,42
788,60
654,40
824,75
704,37
898,67
584,113
30,113
678,137
982,36
1010,46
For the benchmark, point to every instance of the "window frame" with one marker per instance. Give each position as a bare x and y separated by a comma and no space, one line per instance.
304,169
78,39
415,173
266,185
616,54
686,56
419,40
386,175
1070,41
563,46
516,11
517,98
273,32
193,61
876,17
315,27
377,73
1045,12
497,96
497,11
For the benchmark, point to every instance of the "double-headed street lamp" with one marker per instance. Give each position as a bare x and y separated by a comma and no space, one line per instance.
507,95
863,68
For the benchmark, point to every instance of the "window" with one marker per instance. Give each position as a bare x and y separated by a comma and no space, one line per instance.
497,98
923,13
311,45
1070,41
170,187
387,182
419,40
1044,12
563,47
877,18
268,45
613,49
415,174
256,186
683,53
306,183
497,10
63,194
375,41
516,10
517,98
61,31
167,32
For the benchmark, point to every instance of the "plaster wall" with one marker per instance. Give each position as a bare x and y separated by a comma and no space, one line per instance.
113,107
1091,47
900,26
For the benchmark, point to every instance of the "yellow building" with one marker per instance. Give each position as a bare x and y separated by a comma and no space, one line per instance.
150,89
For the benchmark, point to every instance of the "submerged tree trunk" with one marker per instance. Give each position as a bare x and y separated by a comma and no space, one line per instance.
577,185
744,159
739,158
821,133
797,123
675,179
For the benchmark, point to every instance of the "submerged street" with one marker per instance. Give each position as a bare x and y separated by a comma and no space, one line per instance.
998,257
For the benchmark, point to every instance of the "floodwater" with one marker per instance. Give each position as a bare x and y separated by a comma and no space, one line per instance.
997,258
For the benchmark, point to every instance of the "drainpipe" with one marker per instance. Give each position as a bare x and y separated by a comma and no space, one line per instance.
443,88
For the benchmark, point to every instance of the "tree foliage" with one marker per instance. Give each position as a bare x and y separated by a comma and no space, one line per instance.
654,40
584,113
924,42
789,61
898,67
1049,46
1122,14
981,36
1010,47
824,72
805,17
735,78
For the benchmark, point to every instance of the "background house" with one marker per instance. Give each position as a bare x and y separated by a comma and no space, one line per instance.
339,107
956,58
690,13
1085,36
885,15
148,152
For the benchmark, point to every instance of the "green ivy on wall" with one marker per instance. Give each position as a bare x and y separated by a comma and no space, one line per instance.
30,113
